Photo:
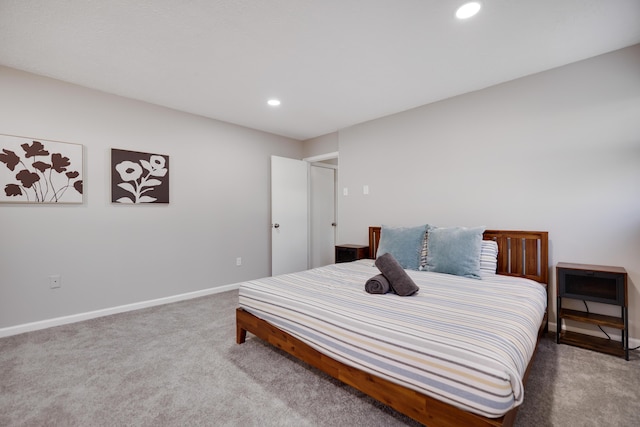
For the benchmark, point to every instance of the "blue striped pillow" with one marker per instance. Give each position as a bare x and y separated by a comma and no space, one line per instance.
489,257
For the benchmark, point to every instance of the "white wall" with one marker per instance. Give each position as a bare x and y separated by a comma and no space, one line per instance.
556,151
110,255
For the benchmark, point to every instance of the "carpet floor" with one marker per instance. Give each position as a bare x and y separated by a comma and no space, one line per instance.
178,365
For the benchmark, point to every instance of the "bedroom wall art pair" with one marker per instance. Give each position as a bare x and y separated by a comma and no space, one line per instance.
41,171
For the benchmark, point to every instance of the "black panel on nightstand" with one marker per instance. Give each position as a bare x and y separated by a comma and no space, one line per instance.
348,253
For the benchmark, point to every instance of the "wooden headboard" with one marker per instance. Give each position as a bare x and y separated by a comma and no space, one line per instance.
520,253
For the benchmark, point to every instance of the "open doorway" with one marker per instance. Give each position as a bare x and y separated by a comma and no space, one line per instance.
323,179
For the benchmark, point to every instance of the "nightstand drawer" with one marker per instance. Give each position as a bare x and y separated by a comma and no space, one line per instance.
592,285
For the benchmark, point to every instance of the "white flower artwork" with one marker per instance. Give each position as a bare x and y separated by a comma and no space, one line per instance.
138,178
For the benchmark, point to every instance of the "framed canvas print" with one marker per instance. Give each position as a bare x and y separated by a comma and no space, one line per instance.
138,178
40,171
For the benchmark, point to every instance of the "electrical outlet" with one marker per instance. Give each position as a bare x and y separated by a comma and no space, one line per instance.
238,261
55,281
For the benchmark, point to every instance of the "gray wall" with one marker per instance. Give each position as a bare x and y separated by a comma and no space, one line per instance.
321,145
556,151
111,255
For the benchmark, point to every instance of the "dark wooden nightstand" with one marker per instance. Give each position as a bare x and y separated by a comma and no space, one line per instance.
597,283
348,253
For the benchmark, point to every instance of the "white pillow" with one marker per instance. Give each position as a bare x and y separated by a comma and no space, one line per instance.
489,257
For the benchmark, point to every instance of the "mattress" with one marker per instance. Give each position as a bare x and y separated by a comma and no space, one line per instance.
464,341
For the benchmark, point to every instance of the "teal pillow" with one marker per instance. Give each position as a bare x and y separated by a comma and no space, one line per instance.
455,250
404,243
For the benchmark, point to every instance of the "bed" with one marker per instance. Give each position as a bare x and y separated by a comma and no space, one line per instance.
451,367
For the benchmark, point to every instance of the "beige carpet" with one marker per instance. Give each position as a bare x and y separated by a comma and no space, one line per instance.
178,365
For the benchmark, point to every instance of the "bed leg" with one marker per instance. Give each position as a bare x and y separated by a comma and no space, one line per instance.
241,334
241,331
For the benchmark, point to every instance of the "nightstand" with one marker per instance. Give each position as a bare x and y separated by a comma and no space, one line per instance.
597,283
348,253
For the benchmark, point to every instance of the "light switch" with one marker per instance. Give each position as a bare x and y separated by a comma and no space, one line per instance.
365,189
345,191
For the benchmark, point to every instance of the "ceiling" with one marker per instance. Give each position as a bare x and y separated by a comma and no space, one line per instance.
332,63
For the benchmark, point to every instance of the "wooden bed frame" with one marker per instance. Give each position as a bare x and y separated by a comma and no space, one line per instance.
520,253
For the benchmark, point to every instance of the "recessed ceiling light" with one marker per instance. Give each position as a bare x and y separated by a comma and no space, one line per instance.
467,10
273,102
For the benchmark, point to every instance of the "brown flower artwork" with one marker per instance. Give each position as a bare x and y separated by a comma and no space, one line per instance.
40,171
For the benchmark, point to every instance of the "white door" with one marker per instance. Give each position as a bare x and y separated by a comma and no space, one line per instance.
289,215
323,216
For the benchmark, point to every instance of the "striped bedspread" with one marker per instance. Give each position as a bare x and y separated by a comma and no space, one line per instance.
463,341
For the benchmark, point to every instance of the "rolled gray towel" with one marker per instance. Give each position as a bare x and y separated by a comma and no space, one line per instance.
399,280
377,285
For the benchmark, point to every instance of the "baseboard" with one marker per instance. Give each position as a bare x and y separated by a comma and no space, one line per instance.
633,342
49,323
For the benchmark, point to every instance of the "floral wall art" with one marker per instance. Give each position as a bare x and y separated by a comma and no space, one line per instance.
40,171
138,178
